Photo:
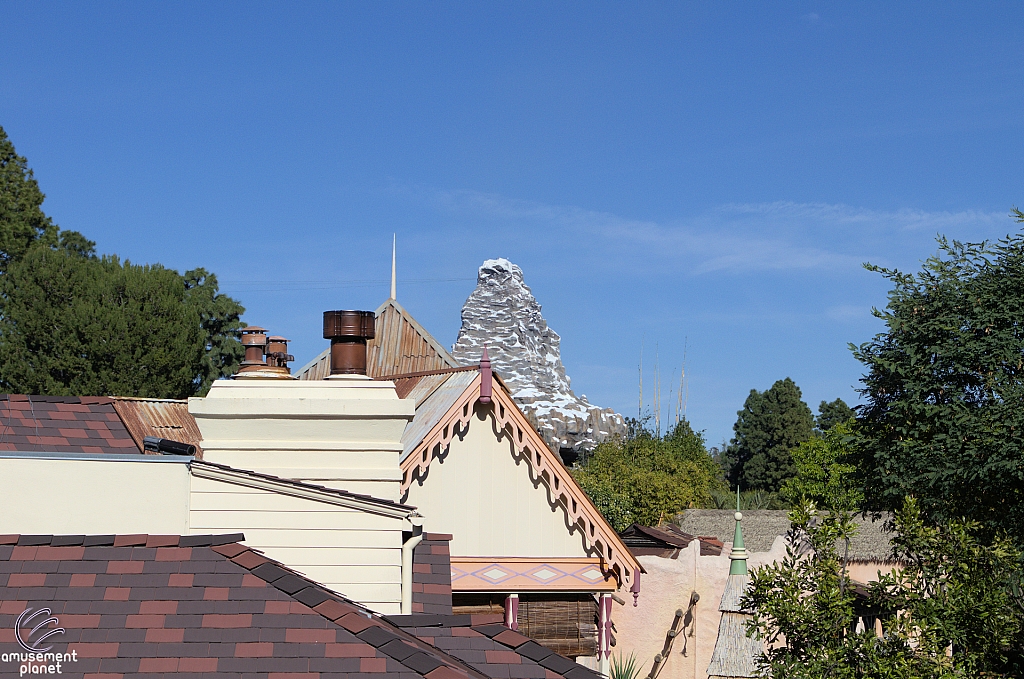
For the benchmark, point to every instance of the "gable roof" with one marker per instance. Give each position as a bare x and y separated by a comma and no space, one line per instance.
207,604
400,346
435,395
447,409
63,424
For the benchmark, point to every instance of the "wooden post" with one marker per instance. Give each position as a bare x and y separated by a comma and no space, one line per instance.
512,611
604,634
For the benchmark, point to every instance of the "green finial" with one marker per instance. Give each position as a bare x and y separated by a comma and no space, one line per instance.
739,554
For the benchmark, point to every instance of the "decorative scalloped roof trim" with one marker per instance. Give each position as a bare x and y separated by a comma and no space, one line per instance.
580,511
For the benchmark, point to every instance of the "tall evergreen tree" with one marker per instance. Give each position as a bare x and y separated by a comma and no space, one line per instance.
75,324
772,423
219,322
22,220
831,413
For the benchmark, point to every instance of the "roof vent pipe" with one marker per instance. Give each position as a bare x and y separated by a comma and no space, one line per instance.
277,354
254,339
348,332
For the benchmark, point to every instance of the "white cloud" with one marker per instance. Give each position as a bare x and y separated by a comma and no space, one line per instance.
734,238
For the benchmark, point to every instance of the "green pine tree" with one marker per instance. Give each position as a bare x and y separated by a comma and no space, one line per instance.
75,324
22,220
771,424
80,326
832,413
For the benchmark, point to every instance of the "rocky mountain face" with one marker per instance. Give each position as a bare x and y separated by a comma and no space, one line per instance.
503,314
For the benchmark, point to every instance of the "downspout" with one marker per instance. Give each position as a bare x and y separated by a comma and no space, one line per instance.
407,549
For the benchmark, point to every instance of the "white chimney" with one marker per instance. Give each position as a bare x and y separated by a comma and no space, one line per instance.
344,432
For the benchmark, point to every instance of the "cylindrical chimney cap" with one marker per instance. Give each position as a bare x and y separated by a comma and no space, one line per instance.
355,324
253,335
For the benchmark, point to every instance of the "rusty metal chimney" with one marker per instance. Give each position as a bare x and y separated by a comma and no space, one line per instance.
348,332
254,339
277,354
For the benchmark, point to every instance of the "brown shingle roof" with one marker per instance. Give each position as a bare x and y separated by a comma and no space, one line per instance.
491,648
62,424
207,604
665,540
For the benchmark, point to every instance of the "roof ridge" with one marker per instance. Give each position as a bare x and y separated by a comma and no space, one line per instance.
146,398
427,373
430,339
43,398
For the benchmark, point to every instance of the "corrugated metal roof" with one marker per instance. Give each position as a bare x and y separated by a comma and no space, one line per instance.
317,369
164,419
434,396
400,346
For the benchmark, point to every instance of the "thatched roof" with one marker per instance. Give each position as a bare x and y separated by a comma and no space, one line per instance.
762,526
735,588
735,653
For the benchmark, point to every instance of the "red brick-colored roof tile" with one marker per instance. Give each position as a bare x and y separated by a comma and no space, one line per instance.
62,424
494,650
131,613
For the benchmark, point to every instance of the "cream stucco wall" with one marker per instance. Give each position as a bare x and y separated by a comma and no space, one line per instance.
666,587
488,500
353,552
343,433
93,494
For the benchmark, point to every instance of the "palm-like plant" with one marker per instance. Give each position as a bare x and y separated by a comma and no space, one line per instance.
625,667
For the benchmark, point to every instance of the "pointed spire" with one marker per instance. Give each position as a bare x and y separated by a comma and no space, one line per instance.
394,241
739,554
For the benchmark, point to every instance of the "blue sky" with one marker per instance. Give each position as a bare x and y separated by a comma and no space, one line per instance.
709,175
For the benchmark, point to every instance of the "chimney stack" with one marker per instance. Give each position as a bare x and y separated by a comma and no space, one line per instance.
277,354
348,332
254,339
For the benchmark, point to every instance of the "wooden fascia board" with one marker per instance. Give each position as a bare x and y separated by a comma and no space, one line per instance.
442,433
580,511
239,478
